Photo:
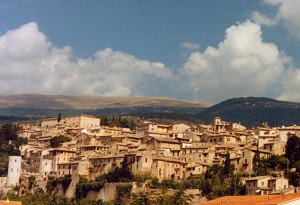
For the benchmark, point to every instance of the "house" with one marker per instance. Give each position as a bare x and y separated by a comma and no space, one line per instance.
262,185
59,155
82,121
168,168
195,169
248,154
257,185
151,127
285,132
278,184
266,135
275,147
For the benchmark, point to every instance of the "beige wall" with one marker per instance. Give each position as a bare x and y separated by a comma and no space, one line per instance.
164,169
49,122
253,185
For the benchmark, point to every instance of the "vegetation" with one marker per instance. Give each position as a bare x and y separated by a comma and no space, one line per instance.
31,181
65,181
122,174
40,198
58,117
84,186
123,194
217,181
293,150
161,198
253,111
55,141
9,144
114,121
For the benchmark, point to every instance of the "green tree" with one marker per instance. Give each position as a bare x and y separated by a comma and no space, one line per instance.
293,149
8,132
181,198
104,121
55,141
228,168
122,174
65,181
59,117
31,181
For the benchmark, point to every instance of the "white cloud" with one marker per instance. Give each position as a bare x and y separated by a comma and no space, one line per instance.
29,63
242,65
288,13
189,46
263,20
291,84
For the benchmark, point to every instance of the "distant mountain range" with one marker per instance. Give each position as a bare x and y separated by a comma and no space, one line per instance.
36,101
27,106
253,111
249,111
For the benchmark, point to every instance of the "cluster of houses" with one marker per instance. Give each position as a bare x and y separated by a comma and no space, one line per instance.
177,151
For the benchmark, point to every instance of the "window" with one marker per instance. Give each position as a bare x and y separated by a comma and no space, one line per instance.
145,160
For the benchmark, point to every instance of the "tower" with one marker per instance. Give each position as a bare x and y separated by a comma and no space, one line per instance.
14,171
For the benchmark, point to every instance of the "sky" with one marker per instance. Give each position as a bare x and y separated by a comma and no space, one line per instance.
201,50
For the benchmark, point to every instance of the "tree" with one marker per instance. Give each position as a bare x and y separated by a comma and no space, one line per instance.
59,117
125,170
104,121
181,198
293,150
8,132
120,174
65,181
31,181
55,141
228,169
275,162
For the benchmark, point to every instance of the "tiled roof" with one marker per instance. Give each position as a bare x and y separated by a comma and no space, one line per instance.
255,200
257,178
7,202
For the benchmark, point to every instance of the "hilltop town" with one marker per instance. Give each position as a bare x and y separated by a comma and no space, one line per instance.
79,147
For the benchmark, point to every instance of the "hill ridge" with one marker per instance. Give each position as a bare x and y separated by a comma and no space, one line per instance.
40,101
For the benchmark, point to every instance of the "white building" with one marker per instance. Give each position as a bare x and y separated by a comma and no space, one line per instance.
14,171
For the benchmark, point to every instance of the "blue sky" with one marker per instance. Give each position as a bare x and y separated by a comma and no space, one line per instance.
196,50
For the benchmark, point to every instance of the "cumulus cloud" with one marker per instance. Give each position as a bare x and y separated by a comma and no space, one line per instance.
264,20
29,63
291,84
242,65
288,13
189,46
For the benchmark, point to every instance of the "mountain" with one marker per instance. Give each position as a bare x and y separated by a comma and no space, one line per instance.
36,101
24,106
249,111
253,111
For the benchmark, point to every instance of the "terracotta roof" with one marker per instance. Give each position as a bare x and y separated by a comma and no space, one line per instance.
7,202
255,200
164,139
